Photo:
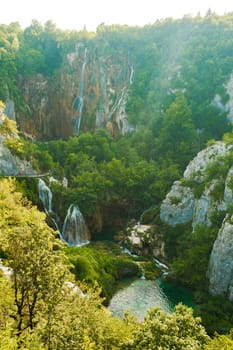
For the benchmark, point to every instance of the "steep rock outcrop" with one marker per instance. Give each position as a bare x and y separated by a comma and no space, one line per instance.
182,204
220,271
205,195
197,167
178,207
89,91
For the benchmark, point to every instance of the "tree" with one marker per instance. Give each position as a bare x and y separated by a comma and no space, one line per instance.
38,271
223,342
178,140
178,330
42,308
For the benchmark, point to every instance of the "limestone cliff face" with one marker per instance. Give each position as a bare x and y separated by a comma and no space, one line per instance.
183,204
220,270
11,165
205,192
89,91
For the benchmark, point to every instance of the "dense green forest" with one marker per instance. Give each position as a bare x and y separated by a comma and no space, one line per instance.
42,308
179,66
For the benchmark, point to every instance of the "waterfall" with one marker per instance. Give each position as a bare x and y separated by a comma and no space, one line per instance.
117,102
75,231
79,99
162,266
131,74
131,69
45,196
103,97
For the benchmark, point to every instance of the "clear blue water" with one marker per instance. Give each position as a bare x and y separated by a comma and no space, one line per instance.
140,295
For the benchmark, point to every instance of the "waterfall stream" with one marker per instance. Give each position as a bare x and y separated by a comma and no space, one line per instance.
131,75
78,102
75,231
45,195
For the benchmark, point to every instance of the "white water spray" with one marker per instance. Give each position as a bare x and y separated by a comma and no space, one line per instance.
79,99
75,231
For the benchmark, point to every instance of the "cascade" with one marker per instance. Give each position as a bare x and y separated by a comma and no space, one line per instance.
79,99
127,251
131,69
164,268
75,231
131,74
45,195
117,102
100,112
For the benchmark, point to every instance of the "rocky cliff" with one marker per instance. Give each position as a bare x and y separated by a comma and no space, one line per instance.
89,91
220,272
203,196
11,165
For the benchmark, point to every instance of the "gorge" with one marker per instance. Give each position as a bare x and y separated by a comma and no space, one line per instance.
135,125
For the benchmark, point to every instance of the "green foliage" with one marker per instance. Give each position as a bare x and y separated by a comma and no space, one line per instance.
15,146
219,168
178,139
91,265
195,247
28,243
216,313
41,307
39,52
179,330
223,342
8,127
102,175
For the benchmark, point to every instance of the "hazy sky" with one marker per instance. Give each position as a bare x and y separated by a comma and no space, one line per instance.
74,14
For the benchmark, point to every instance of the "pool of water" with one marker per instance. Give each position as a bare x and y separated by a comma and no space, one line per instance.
140,295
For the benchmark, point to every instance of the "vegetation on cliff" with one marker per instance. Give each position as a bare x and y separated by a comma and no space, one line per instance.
42,308
176,101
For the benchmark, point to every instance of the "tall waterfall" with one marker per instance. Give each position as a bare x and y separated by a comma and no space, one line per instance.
75,231
131,75
79,99
131,69
45,195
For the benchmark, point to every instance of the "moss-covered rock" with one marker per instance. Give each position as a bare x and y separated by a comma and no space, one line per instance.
101,265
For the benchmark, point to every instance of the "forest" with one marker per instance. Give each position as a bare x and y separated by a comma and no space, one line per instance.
177,74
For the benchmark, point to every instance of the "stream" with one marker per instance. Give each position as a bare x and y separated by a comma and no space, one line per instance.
137,296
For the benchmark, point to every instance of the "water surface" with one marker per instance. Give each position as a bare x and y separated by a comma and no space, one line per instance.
140,295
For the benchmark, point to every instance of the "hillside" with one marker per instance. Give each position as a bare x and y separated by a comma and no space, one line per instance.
132,128
119,78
